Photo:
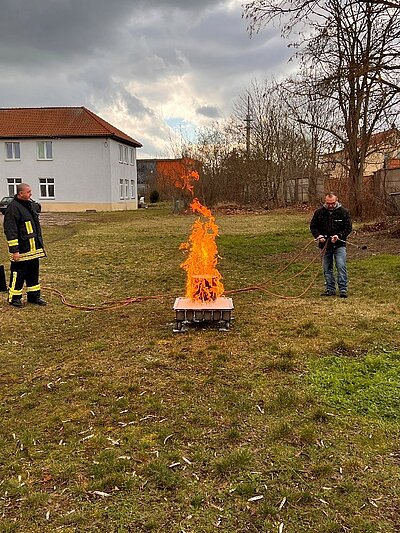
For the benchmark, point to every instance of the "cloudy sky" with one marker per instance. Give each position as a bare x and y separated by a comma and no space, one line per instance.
153,68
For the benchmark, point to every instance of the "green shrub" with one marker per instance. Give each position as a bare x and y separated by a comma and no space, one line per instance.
154,197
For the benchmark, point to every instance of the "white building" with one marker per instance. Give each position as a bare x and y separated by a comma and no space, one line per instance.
73,159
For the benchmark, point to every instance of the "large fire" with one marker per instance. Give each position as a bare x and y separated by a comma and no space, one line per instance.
203,281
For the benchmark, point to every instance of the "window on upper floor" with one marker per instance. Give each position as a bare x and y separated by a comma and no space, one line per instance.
132,156
46,186
45,150
126,160
12,185
121,153
13,150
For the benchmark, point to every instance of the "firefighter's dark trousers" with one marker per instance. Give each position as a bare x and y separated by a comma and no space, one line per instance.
24,272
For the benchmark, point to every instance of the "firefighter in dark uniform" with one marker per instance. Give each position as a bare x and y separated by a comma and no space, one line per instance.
25,244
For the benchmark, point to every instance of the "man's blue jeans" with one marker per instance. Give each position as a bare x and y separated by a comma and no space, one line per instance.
337,254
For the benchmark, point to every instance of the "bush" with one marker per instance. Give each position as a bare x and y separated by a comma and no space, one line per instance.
154,197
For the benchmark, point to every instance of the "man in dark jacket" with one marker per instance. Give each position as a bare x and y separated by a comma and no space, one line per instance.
331,225
25,244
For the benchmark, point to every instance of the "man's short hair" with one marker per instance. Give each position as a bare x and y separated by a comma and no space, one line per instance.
21,187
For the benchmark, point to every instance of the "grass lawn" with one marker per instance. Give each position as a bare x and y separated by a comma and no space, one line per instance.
287,423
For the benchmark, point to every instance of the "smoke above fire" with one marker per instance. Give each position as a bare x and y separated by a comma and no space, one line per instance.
203,280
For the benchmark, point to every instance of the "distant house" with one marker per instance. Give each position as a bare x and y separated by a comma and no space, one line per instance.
383,152
381,175
73,159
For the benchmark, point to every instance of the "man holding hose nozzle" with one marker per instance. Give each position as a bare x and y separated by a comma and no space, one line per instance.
330,226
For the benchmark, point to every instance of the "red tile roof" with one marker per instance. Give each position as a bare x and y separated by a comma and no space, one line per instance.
393,163
384,136
50,122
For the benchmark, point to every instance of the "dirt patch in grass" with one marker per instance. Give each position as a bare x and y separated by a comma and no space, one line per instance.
378,238
63,219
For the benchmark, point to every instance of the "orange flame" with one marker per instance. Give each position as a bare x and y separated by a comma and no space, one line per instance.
203,282
186,181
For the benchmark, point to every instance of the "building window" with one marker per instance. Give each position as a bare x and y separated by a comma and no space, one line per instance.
133,195
45,150
124,189
46,187
126,160
13,150
12,185
121,153
132,158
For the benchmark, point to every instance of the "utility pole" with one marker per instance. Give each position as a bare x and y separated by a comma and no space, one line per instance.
247,121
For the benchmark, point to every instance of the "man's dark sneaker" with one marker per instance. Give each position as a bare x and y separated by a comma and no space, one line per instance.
38,301
343,294
17,303
328,293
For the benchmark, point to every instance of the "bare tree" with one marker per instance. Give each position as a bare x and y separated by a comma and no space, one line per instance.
279,151
215,149
387,3
312,115
352,48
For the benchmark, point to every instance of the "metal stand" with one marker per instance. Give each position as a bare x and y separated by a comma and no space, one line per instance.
188,312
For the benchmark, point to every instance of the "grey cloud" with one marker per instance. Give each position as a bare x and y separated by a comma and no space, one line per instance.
39,32
42,30
107,90
147,58
184,5
57,90
208,111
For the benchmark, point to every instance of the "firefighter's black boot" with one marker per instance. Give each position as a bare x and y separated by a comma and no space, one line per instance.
16,302
35,298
